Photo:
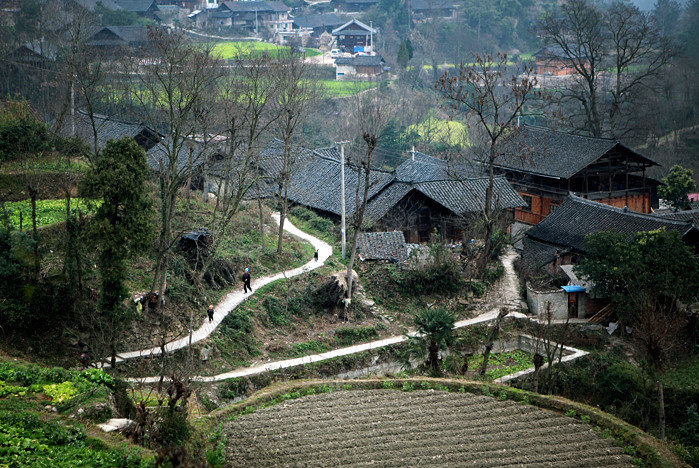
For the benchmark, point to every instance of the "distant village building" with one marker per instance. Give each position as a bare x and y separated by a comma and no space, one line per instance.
144,8
252,16
354,36
118,40
426,9
108,128
315,25
359,67
354,6
545,165
552,60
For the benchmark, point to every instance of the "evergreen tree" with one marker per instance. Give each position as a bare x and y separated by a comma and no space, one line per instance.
121,226
403,55
677,184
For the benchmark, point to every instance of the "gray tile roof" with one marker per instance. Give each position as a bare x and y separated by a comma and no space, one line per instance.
688,215
201,154
108,129
129,34
382,246
318,21
361,61
577,217
468,195
418,5
253,6
354,26
136,6
556,154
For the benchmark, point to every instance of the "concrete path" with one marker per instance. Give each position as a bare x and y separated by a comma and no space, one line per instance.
506,294
233,299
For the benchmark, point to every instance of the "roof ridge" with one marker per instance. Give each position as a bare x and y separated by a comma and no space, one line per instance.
553,130
604,206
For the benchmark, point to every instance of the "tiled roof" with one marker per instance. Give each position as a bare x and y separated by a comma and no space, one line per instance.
108,129
577,217
253,6
382,246
361,61
417,5
318,21
556,154
418,171
382,203
468,195
353,31
128,34
688,215
200,154
138,6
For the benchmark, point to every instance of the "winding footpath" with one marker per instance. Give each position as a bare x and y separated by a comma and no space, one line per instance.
235,298
505,295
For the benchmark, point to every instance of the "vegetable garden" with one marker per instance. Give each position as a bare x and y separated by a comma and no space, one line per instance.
414,428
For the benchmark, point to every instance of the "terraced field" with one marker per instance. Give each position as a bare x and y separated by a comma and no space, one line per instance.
420,428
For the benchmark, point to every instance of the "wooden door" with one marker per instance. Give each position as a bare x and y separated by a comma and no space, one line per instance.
573,305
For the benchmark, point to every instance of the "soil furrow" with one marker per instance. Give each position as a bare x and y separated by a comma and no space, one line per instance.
470,449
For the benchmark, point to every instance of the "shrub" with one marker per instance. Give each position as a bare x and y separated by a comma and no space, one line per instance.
441,279
314,221
349,335
493,274
173,429
276,311
477,288
234,388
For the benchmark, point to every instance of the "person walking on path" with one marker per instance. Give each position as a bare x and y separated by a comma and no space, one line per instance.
246,281
210,312
315,255
84,361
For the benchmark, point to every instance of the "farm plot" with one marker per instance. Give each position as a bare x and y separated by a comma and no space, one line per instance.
419,428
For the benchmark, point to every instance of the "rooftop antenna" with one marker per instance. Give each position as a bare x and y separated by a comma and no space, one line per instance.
412,153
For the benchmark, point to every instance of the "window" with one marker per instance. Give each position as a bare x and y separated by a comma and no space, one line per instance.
552,207
528,200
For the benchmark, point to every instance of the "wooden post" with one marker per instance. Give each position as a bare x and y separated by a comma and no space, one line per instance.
609,169
627,180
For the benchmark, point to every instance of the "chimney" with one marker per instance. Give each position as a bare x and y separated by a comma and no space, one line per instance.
412,153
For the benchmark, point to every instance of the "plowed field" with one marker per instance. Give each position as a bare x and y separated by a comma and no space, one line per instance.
420,428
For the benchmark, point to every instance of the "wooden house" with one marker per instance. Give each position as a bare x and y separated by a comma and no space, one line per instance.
359,67
420,197
118,40
426,9
560,238
108,128
253,16
354,36
552,60
354,6
546,165
315,25
144,8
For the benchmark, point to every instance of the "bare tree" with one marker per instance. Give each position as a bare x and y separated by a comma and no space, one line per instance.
486,91
592,41
179,77
246,103
494,334
549,338
296,93
371,112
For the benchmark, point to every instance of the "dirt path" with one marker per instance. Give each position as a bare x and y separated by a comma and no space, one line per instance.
234,298
505,294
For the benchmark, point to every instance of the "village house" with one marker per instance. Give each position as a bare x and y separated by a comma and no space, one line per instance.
427,9
315,25
118,40
359,67
354,36
354,6
552,60
382,246
419,198
556,244
108,128
545,165
144,8
252,16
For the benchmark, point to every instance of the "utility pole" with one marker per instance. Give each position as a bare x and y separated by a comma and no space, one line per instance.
342,194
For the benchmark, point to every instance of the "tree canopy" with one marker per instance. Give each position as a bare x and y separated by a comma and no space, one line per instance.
677,185
641,273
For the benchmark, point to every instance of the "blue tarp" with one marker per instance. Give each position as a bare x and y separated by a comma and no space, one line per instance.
573,288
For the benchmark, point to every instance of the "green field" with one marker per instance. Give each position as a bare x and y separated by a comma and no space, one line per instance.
346,88
441,131
47,211
234,50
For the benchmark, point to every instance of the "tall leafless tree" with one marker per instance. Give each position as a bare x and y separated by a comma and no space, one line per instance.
371,112
487,91
616,52
296,93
